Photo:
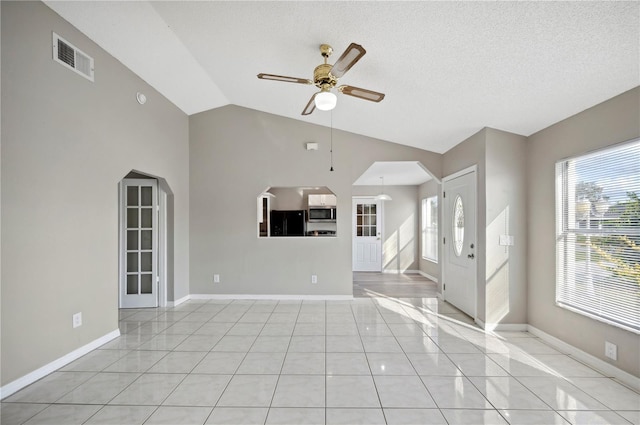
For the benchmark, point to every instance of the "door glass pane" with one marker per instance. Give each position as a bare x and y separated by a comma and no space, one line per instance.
458,225
373,219
373,230
373,208
365,220
132,262
132,196
145,191
145,261
145,239
358,208
359,231
145,284
132,240
132,284
132,218
147,220
365,231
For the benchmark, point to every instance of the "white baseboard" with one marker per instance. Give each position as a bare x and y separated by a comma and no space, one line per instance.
503,327
270,297
606,368
428,276
32,377
178,301
396,271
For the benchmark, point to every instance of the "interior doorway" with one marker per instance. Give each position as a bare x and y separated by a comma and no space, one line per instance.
367,234
142,279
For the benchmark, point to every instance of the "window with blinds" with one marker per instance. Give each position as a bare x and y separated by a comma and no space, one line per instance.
598,235
430,229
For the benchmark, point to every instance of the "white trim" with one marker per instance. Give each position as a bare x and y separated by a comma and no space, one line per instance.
162,246
501,327
39,373
395,271
606,368
428,276
270,297
178,301
506,327
471,169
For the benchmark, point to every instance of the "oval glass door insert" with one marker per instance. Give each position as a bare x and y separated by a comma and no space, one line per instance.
458,225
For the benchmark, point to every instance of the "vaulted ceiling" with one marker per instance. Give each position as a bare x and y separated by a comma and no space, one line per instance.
448,69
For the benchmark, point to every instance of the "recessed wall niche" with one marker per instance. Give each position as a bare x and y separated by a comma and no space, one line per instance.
297,212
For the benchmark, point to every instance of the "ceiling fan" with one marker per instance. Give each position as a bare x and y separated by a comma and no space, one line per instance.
326,76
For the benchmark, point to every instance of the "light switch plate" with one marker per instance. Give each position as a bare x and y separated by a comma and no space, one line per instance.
77,320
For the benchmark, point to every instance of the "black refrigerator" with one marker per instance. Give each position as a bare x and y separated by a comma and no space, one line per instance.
288,223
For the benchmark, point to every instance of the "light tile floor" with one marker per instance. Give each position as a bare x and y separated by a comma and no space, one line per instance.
367,361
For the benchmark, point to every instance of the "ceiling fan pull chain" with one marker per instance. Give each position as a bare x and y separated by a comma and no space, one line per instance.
331,137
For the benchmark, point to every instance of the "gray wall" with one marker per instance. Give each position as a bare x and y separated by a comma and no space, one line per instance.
501,199
400,243
611,122
234,154
66,143
472,152
505,185
426,190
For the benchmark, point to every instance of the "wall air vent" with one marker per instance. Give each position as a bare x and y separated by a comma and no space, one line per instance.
70,56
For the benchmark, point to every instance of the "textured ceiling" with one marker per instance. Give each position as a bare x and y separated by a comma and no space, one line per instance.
448,69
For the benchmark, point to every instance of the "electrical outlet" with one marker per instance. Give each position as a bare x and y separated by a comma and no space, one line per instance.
611,350
216,278
314,278
77,320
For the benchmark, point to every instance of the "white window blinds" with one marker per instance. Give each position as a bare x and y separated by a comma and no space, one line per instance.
430,228
598,235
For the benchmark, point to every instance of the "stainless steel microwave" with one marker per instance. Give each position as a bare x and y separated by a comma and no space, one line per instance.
322,214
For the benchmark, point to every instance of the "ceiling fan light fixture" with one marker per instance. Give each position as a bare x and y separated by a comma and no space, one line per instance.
325,100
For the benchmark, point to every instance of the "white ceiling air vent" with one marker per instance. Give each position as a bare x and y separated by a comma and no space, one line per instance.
70,56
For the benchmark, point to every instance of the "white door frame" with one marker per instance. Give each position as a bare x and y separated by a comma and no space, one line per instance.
162,242
445,252
379,224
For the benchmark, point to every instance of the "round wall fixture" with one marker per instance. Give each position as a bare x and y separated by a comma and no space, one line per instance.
142,99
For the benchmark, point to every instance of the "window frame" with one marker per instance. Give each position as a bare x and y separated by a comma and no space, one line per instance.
567,242
429,206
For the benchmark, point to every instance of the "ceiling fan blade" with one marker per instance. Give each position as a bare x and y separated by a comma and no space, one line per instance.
311,106
284,79
349,58
365,94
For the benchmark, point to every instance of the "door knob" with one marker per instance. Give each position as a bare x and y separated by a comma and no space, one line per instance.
471,256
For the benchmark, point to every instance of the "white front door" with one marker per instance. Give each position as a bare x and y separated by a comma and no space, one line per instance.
139,243
367,235
459,196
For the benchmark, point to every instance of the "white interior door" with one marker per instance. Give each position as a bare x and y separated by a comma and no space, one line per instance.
367,235
139,243
459,196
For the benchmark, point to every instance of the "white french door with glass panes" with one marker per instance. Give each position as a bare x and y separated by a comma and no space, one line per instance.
367,235
139,247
